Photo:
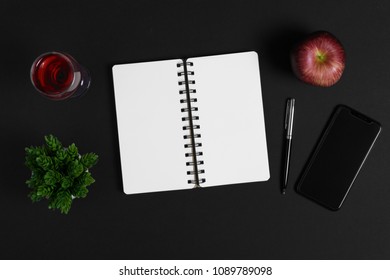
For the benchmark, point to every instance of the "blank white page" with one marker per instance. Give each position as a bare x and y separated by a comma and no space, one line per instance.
231,118
150,127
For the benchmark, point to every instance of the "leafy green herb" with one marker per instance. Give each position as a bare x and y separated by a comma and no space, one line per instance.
59,174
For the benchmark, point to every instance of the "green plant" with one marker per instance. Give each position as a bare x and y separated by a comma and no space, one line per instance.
59,173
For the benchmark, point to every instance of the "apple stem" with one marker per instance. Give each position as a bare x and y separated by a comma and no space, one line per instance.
321,57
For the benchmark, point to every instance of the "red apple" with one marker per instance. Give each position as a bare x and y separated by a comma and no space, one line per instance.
319,59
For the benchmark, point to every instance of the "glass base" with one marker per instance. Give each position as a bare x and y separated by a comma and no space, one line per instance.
84,84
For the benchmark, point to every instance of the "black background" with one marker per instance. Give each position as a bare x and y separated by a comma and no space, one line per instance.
248,221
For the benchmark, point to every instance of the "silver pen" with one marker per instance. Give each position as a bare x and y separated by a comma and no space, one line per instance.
288,127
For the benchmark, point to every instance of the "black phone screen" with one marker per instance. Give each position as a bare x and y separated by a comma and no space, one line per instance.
340,154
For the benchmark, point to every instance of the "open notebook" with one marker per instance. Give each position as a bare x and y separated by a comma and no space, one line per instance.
194,122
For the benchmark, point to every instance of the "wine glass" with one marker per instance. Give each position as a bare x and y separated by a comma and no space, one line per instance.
59,76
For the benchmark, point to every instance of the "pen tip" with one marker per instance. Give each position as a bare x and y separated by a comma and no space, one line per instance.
284,191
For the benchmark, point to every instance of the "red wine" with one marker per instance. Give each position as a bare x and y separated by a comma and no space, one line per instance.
53,74
58,76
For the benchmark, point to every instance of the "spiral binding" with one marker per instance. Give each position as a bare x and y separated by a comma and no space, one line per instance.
190,126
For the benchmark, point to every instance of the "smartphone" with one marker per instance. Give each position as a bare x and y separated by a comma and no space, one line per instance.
338,157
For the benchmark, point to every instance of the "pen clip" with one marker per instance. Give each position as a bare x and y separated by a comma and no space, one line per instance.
287,115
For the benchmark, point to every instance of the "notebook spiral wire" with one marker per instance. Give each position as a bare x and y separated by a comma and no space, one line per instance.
191,128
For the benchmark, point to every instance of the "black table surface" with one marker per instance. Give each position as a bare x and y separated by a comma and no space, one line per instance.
246,221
